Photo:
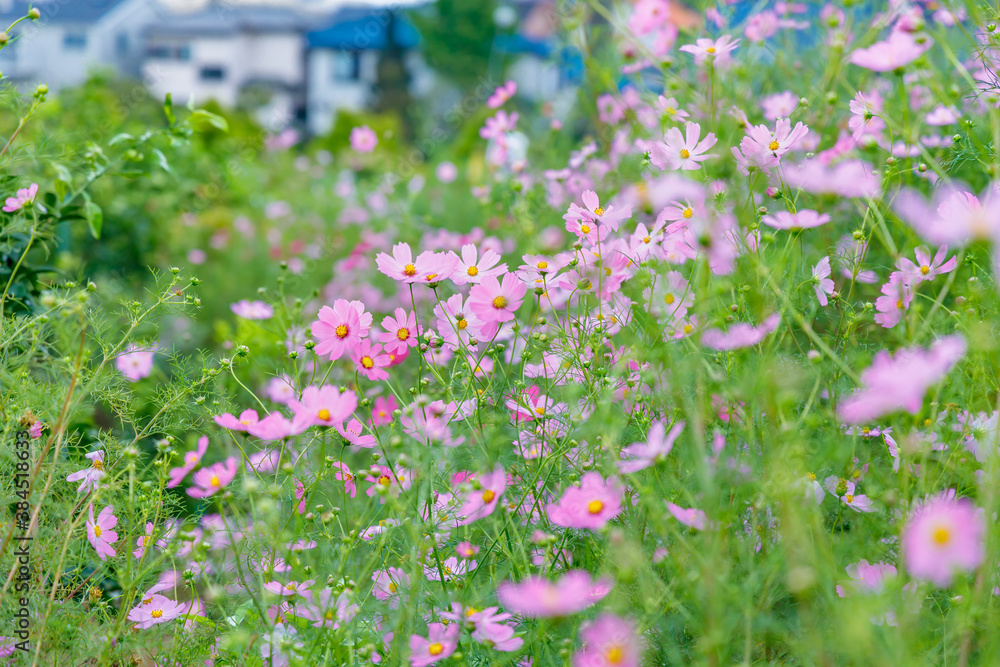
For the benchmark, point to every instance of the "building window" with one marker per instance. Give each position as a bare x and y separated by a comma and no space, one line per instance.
212,74
75,40
167,52
346,65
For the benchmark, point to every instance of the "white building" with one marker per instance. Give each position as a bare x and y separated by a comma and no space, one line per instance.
239,56
72,38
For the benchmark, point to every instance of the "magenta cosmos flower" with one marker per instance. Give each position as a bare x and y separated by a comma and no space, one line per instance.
925,267
428,267
495,302
246,419
898,51
473,268
100,532
154,610
135,363
339,329
682,151
323,406
944,535
609,641
400,332
502,95
804,219
363,139
24,197
695,518
536,597
252,310
211,479
590,505
954,217
481,502
191,460
822,283
440,643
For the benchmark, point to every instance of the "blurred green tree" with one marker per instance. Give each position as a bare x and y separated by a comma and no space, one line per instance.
458,38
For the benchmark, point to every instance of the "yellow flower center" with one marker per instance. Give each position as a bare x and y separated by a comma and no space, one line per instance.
812,476
595,506
849,498
500,302
392,587
324,415
410,270
470,611
687,212
430,277
97,530
710,49
488,496
463,323
925,269
290,587
941,535
367,362
215,481
436,648
147,601
614,654
688,328
542,265
540,410
156,613
899,304
384,480
685,153
668,299
646,239
585,229
192,458
670,111
341,331
774,145
99,464
599,210
403,334
473,270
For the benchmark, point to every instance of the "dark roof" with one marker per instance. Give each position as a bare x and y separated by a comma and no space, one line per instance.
59,11
362,28
228,20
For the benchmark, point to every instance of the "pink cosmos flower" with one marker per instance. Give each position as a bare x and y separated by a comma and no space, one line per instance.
481,502
848,178
345,475
473,269
718,51
868,577
382,477
341,328
537,597
590,505
502,95
90,478
400,332
692,517
864,115
780,105
211,479
371,361
763,148
897,295
275,426
592,220
323,406
389,585
382,410
669,109
944,535
142,543
899,382
678,151
428,267
252,310
228,421
24,197
857,502
640,455
329,613
440,643
804,219
280,389
497,126
491,630
740,335
899,50
135,363
495,302
466,550
609,641
363,139
456,322
354,433
154,610
823,285
191,459
100,532
955,217
291,588
926,268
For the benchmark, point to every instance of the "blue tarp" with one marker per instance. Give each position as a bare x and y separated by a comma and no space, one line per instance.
359,31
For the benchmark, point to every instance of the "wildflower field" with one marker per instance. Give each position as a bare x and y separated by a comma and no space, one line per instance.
699,369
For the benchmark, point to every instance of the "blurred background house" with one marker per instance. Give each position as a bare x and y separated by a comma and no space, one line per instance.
292,63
